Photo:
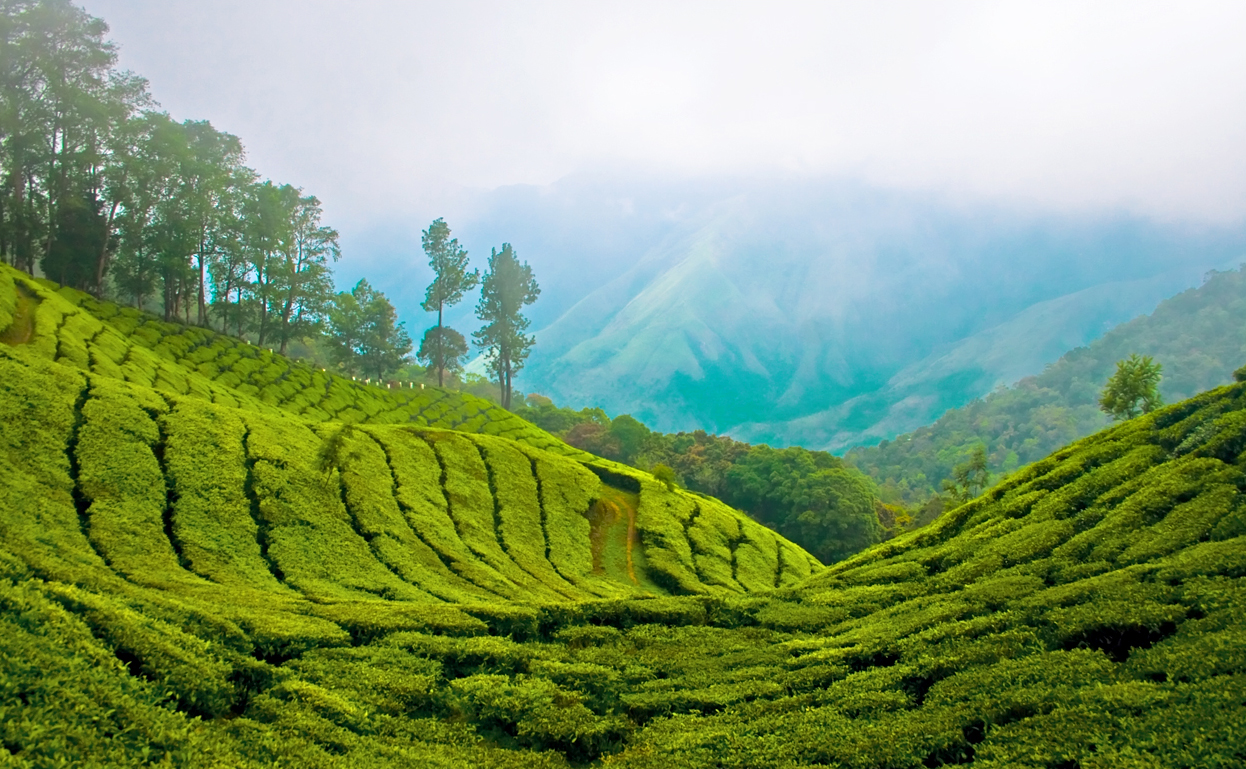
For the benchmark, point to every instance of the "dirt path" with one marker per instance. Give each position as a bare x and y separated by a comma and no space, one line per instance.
22,330
610,540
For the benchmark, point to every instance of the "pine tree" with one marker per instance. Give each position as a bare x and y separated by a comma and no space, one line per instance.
507,288
450,281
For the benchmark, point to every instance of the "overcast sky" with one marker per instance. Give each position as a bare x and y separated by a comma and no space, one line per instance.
381,107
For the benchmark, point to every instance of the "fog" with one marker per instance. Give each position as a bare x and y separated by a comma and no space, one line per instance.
390,109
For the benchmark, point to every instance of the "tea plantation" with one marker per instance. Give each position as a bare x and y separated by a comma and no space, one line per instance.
212,556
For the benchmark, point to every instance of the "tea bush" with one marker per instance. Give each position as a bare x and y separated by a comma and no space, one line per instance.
205,562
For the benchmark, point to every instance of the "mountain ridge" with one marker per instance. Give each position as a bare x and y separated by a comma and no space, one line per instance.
733,342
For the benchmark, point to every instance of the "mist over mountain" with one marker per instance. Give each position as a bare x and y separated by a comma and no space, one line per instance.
821,313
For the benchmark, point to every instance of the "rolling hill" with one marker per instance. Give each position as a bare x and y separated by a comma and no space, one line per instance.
193,574
445,512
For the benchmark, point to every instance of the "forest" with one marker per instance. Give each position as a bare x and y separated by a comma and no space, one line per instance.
105,193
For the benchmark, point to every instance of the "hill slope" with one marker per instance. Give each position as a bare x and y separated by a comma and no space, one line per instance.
407,512
1088,612
1199,336
771,306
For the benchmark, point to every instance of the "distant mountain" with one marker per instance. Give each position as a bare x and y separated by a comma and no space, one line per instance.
1199,336
831,314
955,374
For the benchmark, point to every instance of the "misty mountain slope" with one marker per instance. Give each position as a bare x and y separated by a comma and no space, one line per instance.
950,377
1198,336
783,301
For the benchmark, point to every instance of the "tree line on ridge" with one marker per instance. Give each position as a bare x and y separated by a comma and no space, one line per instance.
102,191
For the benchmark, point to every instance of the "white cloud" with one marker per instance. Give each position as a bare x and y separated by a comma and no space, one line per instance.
384,107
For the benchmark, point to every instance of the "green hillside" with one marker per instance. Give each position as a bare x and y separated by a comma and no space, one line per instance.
460,515
192,574
1199,336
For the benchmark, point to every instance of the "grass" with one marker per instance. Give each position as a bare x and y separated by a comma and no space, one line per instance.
195,573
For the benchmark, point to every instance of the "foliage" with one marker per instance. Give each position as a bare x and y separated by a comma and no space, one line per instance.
1198,335
278,594
442,347
1133,389
507,288
969,478
365,335
666,475
811,497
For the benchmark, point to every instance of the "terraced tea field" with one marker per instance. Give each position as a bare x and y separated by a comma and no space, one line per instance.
212,556
374,501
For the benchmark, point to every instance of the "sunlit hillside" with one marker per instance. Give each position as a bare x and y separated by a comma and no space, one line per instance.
210,556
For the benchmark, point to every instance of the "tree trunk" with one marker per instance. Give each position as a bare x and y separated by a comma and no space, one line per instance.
441,355
101,264
4,241
285,320
203,306
263,309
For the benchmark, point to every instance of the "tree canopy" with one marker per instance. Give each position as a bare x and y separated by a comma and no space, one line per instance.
367,338
443,348
1133,389
507,288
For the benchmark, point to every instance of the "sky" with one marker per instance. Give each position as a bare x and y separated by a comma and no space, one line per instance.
380,105
403,111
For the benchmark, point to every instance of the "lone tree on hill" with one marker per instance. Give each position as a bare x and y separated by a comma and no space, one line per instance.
1133,389
969,478
507,288
442,348
450,281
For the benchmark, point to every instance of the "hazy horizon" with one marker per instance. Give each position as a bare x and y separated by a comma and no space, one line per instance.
594,137
400,112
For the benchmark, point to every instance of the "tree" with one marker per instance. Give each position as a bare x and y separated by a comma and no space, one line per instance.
303,270
442,348
365,337
507,288
666,476
62,103
630,434
1133,389
450,281
969,478
811,497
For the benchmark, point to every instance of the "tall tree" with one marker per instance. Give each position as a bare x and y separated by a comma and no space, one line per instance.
268,230
1133,389
61,102
146,185
210,166
450,281
303,271
507,288
365,336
